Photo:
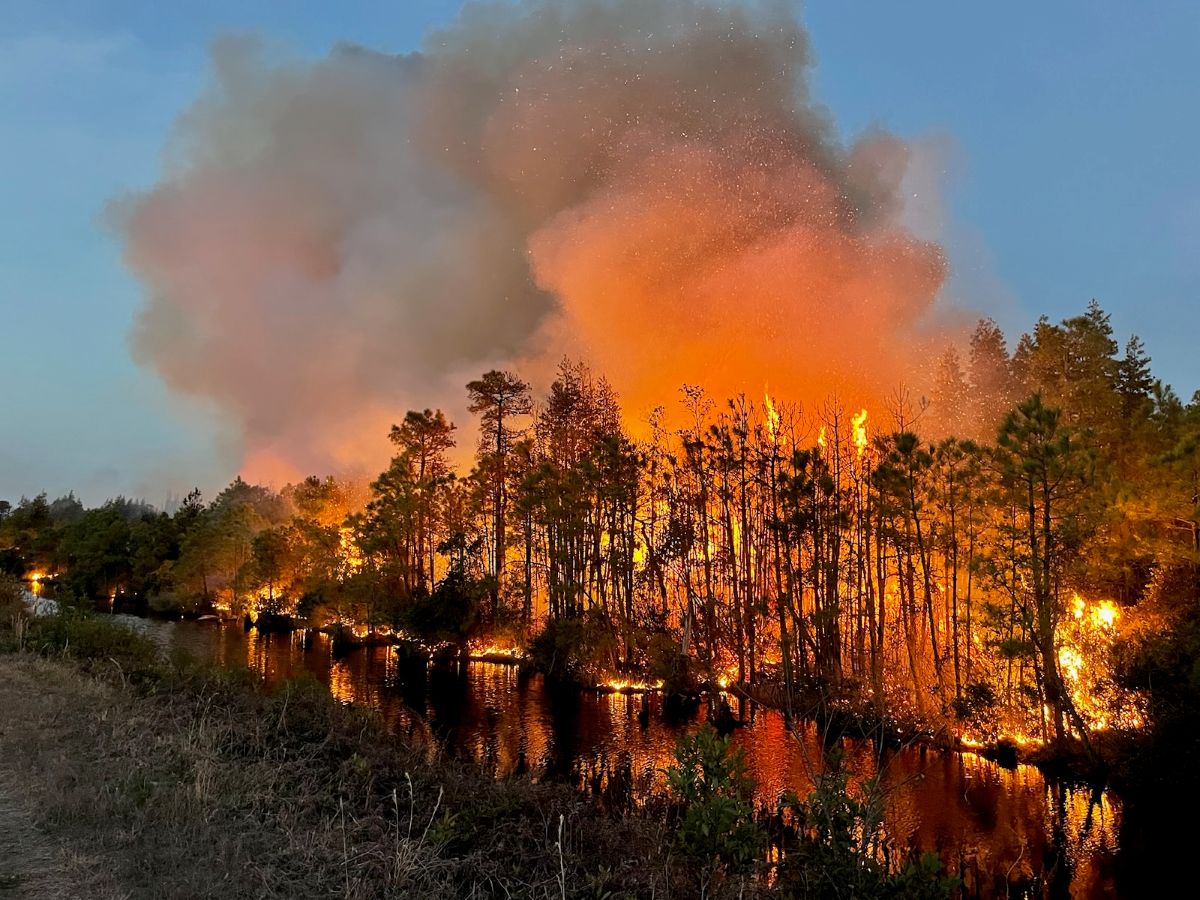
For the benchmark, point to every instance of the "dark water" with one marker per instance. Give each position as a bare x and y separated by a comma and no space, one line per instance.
1008,832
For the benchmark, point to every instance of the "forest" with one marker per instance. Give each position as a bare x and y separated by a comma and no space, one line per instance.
1008,561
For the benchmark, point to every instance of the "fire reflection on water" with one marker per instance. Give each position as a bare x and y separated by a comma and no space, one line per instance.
1002,829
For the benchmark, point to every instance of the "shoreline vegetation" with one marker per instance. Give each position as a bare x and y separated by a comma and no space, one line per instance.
1103,761
166,777
982,569
1010,568
1070,760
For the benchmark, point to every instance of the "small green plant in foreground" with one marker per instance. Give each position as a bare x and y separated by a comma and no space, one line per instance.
845,850
96,643
709,779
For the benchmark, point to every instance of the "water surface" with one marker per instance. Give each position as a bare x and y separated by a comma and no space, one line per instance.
1008,832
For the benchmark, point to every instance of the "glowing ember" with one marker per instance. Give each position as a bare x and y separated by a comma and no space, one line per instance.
620,686
482,651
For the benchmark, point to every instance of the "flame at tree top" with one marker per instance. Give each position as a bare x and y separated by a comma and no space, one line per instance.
773,420
858,423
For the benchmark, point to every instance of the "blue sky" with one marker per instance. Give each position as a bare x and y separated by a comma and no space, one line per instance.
1066,135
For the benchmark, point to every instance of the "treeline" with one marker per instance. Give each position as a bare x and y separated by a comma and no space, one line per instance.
977,558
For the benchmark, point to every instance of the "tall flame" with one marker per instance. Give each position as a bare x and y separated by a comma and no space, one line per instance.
1083,646
859,424
772,415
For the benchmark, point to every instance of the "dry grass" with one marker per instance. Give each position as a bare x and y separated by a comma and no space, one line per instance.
32,862
199,784
123,775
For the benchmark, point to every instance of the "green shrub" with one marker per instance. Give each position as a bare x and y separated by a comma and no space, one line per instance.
844,847
665,663
1163,662
450,613
573,649
717,828
96,643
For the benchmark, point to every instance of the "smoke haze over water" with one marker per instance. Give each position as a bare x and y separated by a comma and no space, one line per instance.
643,184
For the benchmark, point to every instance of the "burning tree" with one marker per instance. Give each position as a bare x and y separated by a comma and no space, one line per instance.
832,556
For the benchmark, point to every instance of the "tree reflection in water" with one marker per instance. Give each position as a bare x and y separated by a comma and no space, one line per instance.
1007,831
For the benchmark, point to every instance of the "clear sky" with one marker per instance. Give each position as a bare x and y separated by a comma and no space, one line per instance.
1067,132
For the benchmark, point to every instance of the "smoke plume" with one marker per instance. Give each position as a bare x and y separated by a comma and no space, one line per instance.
643,184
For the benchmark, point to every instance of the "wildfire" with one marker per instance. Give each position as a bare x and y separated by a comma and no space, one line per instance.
493,651
351,558
1082,656
821,438
1071,661
727,676
621,686
772,415
1105,614
858,423
1078,606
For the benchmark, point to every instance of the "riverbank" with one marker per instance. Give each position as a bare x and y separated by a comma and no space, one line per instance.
162,782
205,788
1112,753
125,774
1104,760
1101,762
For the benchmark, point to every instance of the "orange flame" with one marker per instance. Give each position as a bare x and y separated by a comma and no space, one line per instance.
621,686
772,415
1082,656
859,424
351,558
